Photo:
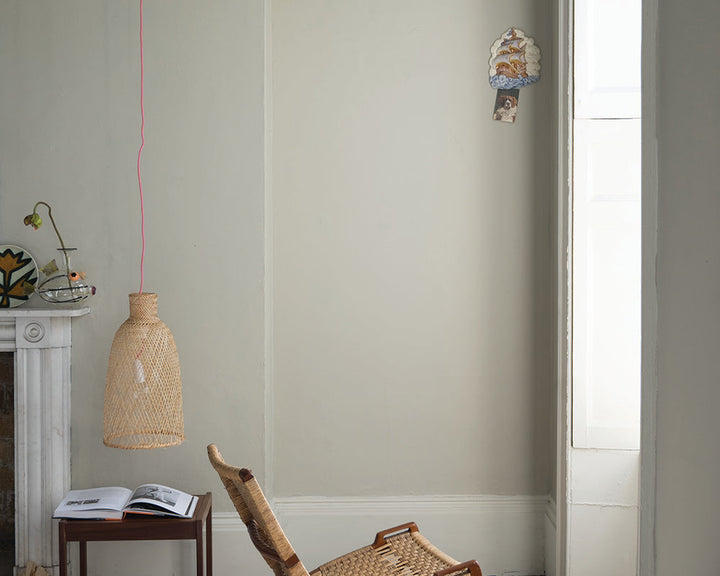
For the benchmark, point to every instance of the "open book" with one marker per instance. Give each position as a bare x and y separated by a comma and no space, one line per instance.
114,503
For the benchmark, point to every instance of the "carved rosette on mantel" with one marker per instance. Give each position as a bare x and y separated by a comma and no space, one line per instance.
41,342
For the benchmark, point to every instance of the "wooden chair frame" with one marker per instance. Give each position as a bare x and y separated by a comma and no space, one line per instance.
397,551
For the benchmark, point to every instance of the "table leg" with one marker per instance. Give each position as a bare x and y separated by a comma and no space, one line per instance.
208,541
62,553
83,558
199,547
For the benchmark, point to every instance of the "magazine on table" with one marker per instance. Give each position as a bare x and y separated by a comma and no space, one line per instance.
115,503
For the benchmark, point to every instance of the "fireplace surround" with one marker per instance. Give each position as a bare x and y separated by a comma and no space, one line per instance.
41,342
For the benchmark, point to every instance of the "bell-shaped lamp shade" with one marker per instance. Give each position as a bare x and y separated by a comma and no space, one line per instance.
143,392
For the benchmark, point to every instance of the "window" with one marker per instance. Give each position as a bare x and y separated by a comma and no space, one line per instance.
606,225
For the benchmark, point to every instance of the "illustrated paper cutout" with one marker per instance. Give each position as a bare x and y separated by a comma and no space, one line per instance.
514,60
506,104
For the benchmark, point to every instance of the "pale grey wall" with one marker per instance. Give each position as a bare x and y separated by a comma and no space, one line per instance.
412,252
69,134
411,234
688,289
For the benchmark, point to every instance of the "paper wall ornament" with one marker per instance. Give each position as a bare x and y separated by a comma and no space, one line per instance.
514,60
506,104
514,64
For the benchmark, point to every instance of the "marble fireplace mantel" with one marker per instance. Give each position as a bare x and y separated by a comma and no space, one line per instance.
41,341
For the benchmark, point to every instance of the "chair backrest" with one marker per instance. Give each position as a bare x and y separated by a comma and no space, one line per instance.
254,509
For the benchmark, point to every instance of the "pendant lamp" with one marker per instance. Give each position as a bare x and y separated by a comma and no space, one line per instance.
143,390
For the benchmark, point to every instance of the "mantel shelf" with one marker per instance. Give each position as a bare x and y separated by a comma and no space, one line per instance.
21,312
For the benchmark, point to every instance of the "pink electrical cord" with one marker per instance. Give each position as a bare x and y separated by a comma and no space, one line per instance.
142,145
139,371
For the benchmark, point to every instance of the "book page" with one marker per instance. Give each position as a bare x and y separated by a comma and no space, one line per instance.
81,501
156,496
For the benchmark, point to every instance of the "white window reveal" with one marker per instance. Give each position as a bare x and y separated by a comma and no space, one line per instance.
607,225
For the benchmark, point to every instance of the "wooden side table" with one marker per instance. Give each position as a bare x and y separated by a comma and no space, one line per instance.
160,528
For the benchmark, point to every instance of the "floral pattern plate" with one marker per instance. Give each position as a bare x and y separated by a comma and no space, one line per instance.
17,268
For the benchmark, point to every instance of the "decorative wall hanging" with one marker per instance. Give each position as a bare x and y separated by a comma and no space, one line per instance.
18,276
514,64
143,391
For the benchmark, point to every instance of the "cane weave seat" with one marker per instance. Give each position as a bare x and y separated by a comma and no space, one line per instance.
397,551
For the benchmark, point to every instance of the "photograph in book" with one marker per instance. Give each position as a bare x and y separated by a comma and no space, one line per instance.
115,503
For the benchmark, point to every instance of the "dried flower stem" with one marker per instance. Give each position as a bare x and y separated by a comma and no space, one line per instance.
57,232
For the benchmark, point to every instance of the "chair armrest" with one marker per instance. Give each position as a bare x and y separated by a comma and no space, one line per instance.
471,565
381,537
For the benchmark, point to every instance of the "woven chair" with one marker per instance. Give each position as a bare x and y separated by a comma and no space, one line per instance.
398,551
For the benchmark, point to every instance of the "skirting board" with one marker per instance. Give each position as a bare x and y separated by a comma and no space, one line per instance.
505,534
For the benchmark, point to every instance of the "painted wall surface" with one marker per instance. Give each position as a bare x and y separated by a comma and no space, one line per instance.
688,285
408,349
411,251
69,135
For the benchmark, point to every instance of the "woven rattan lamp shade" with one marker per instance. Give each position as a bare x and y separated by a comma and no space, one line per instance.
143,392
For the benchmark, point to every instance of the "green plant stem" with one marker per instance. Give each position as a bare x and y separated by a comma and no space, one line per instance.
57,232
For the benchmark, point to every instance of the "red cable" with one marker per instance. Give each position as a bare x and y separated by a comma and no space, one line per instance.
142,145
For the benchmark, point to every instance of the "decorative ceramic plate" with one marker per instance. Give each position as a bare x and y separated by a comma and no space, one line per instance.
17,268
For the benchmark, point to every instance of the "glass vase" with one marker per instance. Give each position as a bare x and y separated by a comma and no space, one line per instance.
65,286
